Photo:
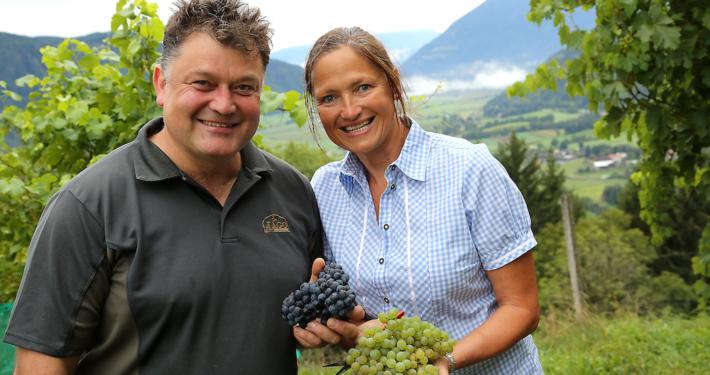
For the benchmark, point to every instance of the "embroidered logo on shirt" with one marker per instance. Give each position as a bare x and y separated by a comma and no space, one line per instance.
275,223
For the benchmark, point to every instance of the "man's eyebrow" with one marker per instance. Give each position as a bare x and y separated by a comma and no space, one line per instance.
209,75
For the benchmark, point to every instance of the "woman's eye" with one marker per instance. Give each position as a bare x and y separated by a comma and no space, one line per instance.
327,99
364,87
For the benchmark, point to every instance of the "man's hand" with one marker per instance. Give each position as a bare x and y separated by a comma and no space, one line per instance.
345,332
317,335
316,269
30,362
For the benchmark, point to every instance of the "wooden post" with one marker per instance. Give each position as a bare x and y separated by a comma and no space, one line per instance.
567,220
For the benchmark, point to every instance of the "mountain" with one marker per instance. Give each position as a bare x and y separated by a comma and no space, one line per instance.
403,44
282,76
494,35
400,44
20,55
292,55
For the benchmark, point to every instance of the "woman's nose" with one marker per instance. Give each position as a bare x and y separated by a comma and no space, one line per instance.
351,109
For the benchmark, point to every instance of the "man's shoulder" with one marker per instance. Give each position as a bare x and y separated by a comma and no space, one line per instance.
282,169
116,165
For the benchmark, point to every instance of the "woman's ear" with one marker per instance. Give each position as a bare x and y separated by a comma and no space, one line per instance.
396,95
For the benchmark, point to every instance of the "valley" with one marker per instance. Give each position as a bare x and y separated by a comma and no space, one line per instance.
582,177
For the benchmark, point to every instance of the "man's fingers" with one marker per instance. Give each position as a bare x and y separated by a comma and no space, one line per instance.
357,314
318,265
307,339
344,328
322,332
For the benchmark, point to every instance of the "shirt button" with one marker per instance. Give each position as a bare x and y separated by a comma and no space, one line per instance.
382,260
392,167
392,186
386,226
387,300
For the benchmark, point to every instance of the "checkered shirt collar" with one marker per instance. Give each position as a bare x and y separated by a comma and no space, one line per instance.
412,160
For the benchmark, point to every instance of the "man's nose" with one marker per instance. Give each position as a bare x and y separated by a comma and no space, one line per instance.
223,101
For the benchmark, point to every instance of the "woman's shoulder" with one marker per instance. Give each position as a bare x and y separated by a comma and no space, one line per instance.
459,147
328,172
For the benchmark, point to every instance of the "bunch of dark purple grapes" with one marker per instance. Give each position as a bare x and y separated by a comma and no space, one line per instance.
329,296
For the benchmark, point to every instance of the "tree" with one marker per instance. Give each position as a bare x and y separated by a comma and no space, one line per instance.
610,194
686,218
301,156
647,62
540,188
91,101
612,260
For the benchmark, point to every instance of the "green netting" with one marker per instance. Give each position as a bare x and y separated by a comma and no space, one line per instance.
7,352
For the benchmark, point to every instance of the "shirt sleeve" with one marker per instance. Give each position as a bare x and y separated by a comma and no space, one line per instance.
496,212
65,255
315,240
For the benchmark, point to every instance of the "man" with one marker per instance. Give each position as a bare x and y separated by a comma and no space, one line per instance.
173,253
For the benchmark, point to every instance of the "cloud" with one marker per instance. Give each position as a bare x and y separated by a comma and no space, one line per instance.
490,75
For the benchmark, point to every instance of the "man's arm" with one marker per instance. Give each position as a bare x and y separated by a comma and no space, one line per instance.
30,362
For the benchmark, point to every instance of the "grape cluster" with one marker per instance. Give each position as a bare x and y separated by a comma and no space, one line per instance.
400,345
626,41
329,296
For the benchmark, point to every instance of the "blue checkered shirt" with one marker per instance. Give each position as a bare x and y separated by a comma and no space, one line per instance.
450,212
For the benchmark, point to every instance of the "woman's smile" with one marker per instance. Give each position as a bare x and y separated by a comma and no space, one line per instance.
355,128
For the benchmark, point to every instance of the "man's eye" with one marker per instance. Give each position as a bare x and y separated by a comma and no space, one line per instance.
364,87
245,89
201,83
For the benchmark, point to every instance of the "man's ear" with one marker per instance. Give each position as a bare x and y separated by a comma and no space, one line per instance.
159,82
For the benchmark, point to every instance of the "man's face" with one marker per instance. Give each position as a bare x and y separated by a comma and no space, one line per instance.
210,101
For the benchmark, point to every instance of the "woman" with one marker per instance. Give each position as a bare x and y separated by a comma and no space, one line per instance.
423,222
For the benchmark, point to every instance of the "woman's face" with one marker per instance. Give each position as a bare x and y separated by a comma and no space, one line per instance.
355,104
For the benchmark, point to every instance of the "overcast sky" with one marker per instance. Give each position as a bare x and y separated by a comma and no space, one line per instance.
296,22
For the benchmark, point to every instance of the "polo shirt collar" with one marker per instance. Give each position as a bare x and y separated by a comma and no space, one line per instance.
151,163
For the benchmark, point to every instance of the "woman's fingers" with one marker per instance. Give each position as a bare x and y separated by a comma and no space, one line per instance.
443,364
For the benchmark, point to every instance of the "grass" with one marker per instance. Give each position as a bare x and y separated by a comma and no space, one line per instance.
625,344
622,344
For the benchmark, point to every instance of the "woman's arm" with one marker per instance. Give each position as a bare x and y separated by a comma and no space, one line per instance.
517,316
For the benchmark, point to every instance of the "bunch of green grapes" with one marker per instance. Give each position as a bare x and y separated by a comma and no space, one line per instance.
625,42
400,346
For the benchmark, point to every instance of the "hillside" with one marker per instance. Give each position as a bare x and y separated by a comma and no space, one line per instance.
19,56
282,76
400,44
494,33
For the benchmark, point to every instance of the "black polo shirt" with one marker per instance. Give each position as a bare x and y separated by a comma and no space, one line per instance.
141,270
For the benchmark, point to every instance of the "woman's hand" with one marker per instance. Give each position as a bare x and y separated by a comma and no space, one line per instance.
443,364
